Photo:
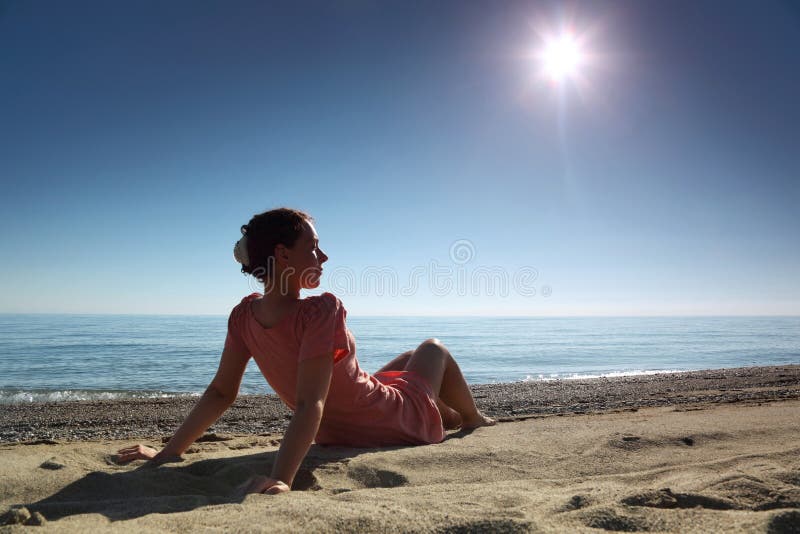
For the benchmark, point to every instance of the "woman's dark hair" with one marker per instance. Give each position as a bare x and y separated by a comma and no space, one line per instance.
267,230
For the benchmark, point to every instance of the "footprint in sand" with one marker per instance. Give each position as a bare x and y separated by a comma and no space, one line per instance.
610,519
630,443
789,477
666,498
506,526
370,477
576,502
753,493
305,480
739,493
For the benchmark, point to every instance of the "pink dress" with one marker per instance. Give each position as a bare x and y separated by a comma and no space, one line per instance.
362,410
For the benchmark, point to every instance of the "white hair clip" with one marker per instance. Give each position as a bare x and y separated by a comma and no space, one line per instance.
240,251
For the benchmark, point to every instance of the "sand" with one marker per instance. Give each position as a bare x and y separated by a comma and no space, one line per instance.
700,466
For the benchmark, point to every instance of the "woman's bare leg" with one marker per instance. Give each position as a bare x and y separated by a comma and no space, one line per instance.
398,364
451,419
434,362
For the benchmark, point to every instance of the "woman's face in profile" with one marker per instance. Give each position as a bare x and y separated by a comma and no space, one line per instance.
306,258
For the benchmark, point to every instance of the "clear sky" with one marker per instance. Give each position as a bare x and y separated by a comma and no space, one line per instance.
137,137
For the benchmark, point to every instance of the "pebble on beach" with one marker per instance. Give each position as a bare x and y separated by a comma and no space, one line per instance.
52,465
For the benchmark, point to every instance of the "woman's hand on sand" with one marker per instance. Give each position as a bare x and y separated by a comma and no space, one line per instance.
143,452
262,484
137,452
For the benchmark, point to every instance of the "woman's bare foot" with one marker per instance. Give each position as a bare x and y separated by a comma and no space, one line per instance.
478,421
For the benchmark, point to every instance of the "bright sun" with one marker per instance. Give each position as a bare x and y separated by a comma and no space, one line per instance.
562,57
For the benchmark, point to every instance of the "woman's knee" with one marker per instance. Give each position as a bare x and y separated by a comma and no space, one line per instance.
430,359
433,345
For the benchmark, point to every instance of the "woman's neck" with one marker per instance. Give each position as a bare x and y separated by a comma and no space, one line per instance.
275,295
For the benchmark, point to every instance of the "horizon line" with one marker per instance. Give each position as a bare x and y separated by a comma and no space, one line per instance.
444,316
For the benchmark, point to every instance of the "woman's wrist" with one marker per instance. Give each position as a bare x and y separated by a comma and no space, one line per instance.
175,446
164,456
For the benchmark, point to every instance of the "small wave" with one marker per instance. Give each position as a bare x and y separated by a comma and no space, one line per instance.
18,396
585,376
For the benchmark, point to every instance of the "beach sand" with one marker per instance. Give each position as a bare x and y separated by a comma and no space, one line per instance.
717,463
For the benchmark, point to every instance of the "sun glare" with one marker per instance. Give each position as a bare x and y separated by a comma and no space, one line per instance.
562,57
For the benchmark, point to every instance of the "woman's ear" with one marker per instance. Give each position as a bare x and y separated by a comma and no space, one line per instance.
281,253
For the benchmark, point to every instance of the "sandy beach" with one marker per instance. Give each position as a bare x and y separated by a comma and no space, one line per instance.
707,451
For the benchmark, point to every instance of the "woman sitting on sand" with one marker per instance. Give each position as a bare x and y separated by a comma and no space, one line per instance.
308,356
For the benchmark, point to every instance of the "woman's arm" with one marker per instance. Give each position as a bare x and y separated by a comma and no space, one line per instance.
219,395
313,382
208,409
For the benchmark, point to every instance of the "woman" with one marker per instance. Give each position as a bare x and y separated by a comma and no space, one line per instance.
308,356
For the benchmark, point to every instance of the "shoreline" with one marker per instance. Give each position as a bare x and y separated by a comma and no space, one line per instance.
266,415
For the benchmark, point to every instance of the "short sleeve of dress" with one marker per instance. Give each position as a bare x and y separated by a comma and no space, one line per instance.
233,340
323,328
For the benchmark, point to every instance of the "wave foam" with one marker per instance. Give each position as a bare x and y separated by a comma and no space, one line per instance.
586,376
17,396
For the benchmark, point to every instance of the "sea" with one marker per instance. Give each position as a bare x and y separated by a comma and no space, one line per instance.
46,358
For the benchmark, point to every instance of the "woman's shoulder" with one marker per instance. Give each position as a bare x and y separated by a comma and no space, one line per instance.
325,298
324,304
244,304
248,299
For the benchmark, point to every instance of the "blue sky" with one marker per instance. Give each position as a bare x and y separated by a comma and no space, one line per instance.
136,138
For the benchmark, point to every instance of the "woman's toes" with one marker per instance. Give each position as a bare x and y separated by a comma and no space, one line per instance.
479,421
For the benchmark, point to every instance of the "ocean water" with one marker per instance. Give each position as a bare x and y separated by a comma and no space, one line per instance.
70,357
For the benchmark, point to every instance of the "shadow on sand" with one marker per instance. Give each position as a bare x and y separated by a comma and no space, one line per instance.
171,488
